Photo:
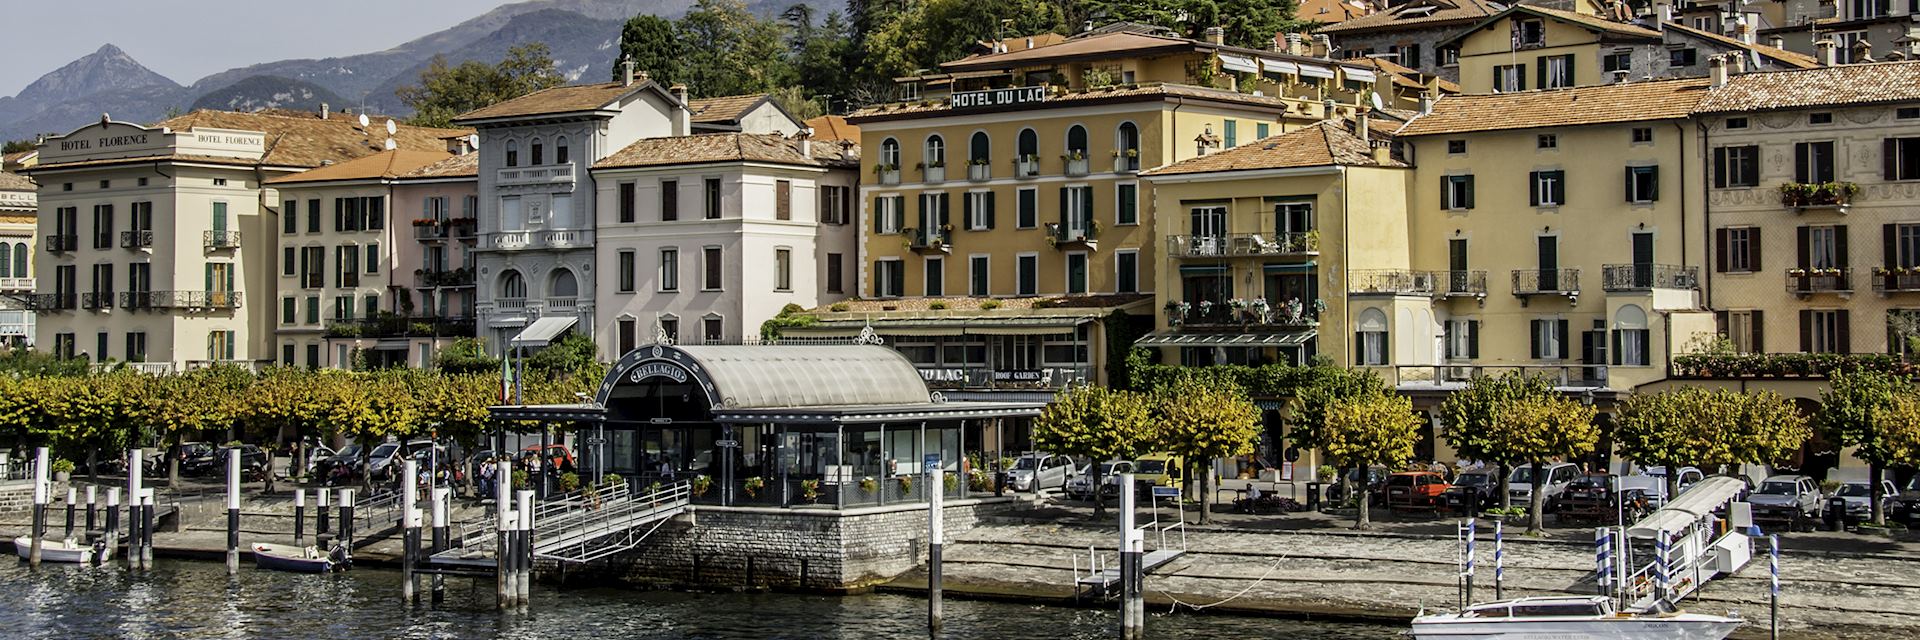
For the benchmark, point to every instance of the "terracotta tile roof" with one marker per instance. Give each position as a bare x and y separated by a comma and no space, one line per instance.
1595,23
1782,56
465,165
724,108
1408,77
1327,11
1411,15
562,99
1103,45
10,181
1635,101
386,164
1322,144
1147,91
1823,86
728,147
833,128
302,139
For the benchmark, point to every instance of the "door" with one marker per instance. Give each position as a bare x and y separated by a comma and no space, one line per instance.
1643,260
1549,263
1457,265
1209,228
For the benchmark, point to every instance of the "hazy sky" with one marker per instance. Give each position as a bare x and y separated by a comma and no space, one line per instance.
187,39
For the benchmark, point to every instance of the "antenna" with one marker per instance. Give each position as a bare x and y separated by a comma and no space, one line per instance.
391,127
363,121
390,143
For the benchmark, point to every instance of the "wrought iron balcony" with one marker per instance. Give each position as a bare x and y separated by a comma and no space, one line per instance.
1392,281
1244,314
136,239
1532,282
431,231
188,300
219,240
96,300
62,243
1244,244
397,326
926,240
1463,284
1066,237
1644,277
1896,280
430,279
1804,282
50,301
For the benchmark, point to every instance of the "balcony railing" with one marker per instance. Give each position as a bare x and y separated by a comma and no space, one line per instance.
933,175
1127,164
62,243
1463,284
563,305
1077,166
1026,167
429,232
926,240
96,300
136,239
1392,281
396,326
983,377
979,172
189,300
549,239
1897,280
1066,237
1528,282
1810,281
16,284
551,174
1818,195
1643,277
1244,314
1244,244
50,301
462,228
888,175
510,305
1577,376
424,279
217,240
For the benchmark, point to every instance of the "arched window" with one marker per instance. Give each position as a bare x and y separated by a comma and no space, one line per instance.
1126,142
1370,338
6,260
563,285
20,260
979,149
560,154
512,286
1077,140
1630,337
890,154
936,151
539,153
1029,144
513,153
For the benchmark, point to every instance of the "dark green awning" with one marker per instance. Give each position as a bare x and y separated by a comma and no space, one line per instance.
1298,267
1203,269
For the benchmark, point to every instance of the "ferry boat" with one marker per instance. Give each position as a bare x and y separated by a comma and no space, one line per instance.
1569,618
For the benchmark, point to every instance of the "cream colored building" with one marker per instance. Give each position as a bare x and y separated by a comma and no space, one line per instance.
17,242
160,243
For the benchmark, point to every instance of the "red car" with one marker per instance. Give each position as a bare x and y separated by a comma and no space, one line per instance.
1415,490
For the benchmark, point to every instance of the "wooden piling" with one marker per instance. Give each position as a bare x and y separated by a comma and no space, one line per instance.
233,511
440,539
73,497
300,517
40,489
524,581
113,517
409,531
136,464
92,503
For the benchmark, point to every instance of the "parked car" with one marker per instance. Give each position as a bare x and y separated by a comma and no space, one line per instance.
342,467
214,462
1906,506
1156,470
315,454
1413,490
1558,475
1597,498
1656,487
1792,502
1484,483
1036,471
156,462
1852,503
1107,474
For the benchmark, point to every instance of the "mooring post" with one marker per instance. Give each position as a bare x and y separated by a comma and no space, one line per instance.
1499,561
1131,607
1773,597
146,528
409,526
504,515
300,517
113,517
40,489
1472,533
524,563
440,498
73,497
92,505
936,533
320,526
136,464
346,519
233,511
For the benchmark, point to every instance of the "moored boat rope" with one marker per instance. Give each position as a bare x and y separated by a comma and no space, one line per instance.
1256,582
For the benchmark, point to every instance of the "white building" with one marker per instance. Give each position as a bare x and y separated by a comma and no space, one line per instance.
17,210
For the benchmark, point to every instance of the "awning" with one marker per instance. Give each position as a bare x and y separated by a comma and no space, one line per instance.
543,331
1203,268
1280,66
1303,267
970,325
1261,339
1359,75
1314,71
1699,501
1238,63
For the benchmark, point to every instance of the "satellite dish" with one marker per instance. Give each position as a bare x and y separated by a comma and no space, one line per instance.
363,121
390,144
473,140
391,128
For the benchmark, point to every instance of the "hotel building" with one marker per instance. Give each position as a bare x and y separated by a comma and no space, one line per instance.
17,242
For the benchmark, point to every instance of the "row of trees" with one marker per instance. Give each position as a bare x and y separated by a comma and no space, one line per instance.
1196,421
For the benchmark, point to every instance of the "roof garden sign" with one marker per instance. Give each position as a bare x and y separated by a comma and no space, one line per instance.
1008,97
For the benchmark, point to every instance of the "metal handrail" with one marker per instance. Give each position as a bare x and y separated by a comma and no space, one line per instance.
611,519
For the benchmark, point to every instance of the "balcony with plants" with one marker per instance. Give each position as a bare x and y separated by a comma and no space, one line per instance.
429,230
979,170
1896,280
1644,277
1242,314
438,278
1230,245
932,172
1403,282
927,241
888,174
1076,161
393,325
1126,161
1803,196
1026,166
1806,282
1064,237
1728,365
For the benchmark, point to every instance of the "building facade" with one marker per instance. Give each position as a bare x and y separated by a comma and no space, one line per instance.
17,243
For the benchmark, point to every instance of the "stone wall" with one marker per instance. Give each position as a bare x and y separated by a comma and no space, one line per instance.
770,548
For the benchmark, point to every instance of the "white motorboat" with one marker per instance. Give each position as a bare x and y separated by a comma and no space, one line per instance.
62,550
1569,618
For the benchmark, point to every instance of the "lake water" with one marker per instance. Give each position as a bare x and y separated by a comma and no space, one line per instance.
185,599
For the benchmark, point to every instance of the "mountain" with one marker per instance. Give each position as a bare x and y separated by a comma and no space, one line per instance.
269,92
125,86
145,104
582,49
107,69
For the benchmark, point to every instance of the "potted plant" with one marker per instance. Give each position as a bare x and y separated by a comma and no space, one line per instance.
868,485
569,482
1026,165
424,222
810,490
753,486
62,469
1076,161
951,482
978,170
701,483
611,478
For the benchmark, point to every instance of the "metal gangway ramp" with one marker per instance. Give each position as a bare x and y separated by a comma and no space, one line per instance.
1099,579
1687,547
606,522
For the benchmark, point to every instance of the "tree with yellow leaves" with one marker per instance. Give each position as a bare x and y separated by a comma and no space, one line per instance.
1370,429
1202,422
1537,431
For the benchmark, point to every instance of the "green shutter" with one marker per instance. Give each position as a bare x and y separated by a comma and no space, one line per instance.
219,217
989,203
209,269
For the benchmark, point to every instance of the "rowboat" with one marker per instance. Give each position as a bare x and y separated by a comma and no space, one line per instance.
289,558
65,550
1569,618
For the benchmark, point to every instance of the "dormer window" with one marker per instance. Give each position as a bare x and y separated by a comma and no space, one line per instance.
1532,33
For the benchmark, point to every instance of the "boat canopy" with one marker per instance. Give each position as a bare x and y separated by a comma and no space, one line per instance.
1691,507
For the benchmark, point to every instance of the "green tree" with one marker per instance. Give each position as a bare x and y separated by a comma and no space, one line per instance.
1538,430
1469,418
1201,423
927,33
1325,388
466,356
1847,418
824,55
1370,429
1899,439
446,91
22,361
1099,424
1247,23
17,146
1691,425
726,50
186,406
653,44
794,99
289,399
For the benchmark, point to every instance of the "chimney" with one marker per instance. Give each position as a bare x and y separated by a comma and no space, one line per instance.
1862,51
806,141
1744,30
1426,102
626,71
1294,44
1664,10
1736,63
1216,36
683,117
1622,76
1824,49
325,110
1717,69
1327,110
1322,46
1360,124
1776,42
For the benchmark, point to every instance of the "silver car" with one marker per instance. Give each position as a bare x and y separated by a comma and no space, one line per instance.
1856,500
1036,471
1558,474
1081,487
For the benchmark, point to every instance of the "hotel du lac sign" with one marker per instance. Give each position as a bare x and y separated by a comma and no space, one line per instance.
1008,97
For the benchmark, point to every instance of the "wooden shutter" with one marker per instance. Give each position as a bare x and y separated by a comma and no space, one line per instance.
1540,71
1800,152
1720,322
879,219
1089,209
1616,350
1890,159
783,199
1720,167
1806,330
1560,326
1521,75
1804,243
1753,249
1533,188
1473,339
1469,192
1843,330
1759,323
966,210
1063,205
989,203
1446,193
1559,187
1533,334
1889,249
1720,250
1653,183
1629,191
1840,246
944,222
